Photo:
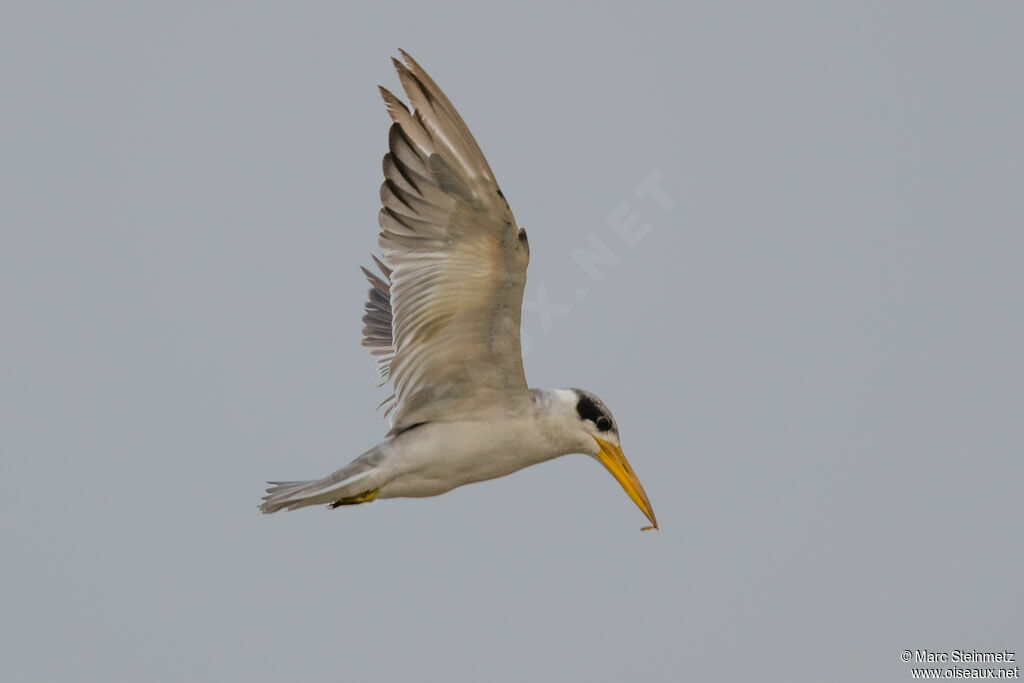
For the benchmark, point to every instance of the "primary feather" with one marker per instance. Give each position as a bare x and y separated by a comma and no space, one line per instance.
445,317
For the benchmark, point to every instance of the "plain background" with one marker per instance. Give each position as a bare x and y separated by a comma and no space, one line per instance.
814,356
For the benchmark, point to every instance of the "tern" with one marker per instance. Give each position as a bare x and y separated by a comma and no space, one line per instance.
443,319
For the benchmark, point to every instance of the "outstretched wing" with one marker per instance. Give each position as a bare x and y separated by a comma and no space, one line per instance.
445,317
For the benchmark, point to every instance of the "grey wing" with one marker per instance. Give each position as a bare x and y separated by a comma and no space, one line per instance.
445,318
377,324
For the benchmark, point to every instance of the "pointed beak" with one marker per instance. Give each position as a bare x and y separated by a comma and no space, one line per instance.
612,458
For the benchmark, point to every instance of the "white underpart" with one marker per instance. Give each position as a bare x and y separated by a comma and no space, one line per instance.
438,457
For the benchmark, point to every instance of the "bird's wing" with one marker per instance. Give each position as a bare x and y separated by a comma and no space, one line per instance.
377,324
445,318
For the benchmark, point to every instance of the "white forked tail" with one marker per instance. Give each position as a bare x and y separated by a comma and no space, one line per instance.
352,481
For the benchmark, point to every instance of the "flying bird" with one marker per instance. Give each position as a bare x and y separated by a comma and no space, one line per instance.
443,319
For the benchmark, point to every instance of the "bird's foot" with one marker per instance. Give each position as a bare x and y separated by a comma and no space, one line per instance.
365,497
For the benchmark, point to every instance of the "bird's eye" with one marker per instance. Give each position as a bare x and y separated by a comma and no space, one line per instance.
603,423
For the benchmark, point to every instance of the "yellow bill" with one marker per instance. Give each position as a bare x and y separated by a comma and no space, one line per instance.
614,460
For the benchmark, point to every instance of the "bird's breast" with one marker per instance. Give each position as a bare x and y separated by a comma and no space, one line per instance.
438,457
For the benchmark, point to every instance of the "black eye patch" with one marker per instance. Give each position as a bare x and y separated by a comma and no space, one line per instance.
588,410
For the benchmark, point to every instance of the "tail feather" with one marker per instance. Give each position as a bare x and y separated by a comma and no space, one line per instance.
351,480
284,494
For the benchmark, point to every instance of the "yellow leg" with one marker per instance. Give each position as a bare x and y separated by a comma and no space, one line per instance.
356,500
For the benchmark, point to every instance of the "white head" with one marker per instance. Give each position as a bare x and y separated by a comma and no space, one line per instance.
585,425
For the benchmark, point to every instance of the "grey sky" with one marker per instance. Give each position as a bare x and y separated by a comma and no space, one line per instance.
814,356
